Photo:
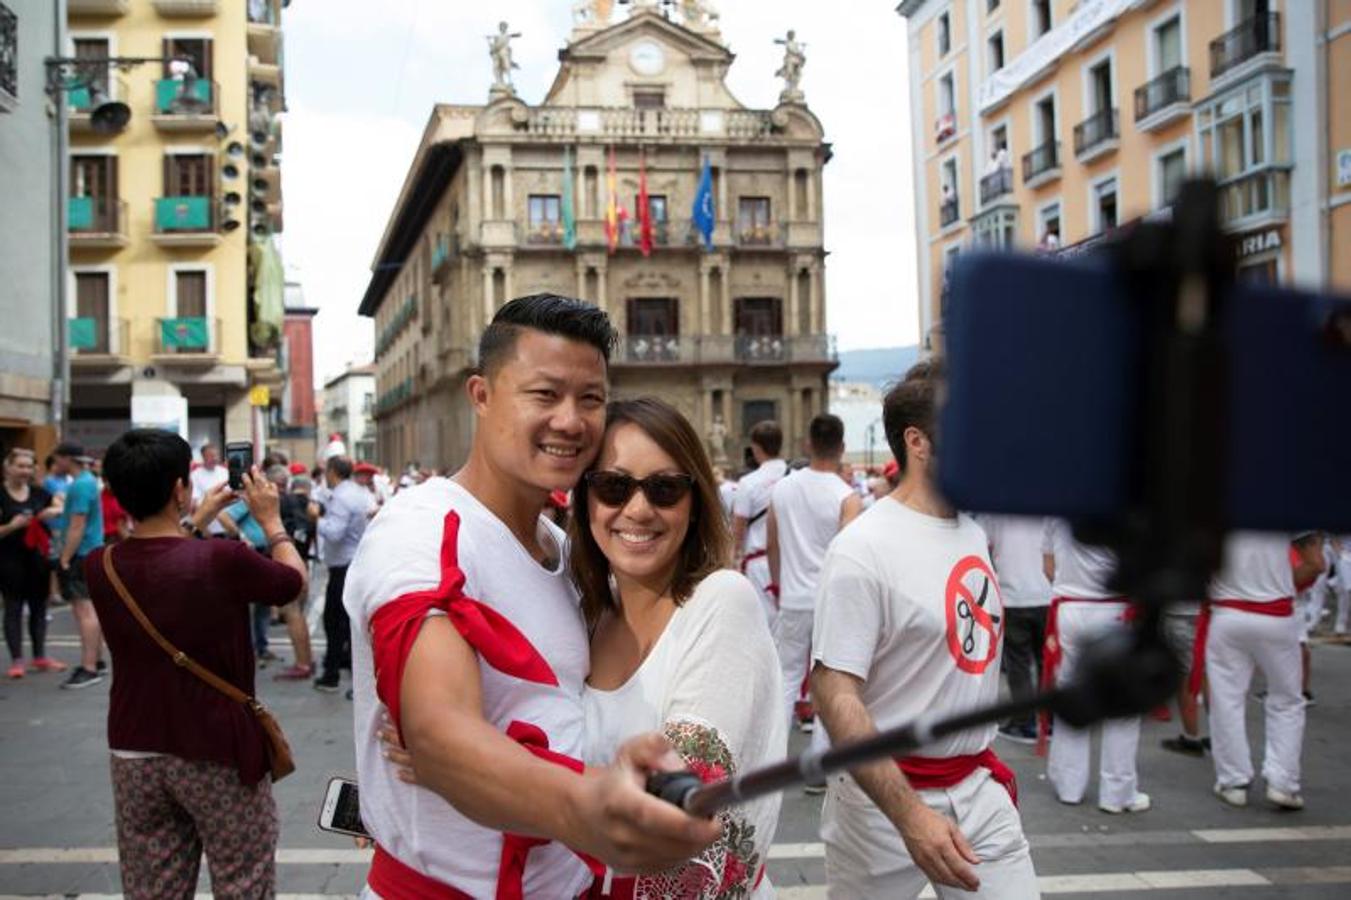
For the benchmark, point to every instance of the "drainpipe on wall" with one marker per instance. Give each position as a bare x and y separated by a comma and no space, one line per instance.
60,393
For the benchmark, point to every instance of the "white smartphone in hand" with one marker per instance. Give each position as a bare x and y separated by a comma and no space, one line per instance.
341,813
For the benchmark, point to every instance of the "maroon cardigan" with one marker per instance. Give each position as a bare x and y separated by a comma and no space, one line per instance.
197,593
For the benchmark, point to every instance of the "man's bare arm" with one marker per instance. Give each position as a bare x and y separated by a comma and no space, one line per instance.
73,538
772,545
739,526
934,841
495,782
850,507
1048,566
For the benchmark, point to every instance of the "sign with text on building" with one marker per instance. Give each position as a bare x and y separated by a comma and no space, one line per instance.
259,395
1257,242
163,411
1344,168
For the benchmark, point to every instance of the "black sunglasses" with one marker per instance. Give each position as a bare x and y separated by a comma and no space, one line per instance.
615,488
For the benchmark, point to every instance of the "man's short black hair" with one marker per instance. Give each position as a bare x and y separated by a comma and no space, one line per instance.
910,404
825,435
340,466
550,314
142,467
768,436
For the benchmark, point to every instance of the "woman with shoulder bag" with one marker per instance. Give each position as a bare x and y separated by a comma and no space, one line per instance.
191,748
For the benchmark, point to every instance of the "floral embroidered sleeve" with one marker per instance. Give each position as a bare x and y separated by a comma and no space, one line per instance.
729,868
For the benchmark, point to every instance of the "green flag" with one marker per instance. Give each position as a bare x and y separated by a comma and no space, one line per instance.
569,214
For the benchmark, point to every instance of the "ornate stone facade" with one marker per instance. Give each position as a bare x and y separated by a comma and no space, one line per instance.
736,330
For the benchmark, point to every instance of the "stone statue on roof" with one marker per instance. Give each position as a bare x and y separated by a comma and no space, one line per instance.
698,13
499,48
794,58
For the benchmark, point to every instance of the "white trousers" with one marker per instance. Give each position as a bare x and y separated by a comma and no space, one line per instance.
793,639
1240,642
866,858
1341,586
757,570
1067,764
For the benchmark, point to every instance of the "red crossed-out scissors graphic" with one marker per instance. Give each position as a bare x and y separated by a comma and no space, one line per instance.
966,613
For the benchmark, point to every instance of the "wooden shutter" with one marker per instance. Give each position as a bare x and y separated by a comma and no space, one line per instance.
91,302
190,289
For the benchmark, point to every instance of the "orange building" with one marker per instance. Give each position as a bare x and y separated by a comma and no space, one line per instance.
1043,123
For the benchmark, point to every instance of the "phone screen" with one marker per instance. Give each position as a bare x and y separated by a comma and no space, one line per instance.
347,811
238,460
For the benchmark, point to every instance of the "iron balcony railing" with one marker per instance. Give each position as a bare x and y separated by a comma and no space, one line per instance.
186,334
1040,160
96,216
996,184
1173,86
184,214
1260,34
948,211
185,97
1097,129
90,336
663,349
9,54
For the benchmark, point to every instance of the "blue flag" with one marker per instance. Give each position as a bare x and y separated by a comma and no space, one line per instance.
703,205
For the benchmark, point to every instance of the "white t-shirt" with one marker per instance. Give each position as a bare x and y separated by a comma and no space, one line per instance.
402,552
1016,549
707,682
1256,568
726,495
910,604
1081,571
807,508
202,480
752,498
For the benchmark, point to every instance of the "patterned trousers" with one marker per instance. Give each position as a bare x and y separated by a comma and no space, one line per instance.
169,810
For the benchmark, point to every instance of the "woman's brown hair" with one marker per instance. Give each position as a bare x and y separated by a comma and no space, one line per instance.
708,543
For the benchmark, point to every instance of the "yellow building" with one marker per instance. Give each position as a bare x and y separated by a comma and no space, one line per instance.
174,286
1044,123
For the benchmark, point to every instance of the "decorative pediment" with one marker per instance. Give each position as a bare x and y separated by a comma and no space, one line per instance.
651,25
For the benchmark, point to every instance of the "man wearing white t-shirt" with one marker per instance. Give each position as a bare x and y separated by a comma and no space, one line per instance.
909,621
1015,550
806,510
1083,608
205,477
750,507
468,637
1251,625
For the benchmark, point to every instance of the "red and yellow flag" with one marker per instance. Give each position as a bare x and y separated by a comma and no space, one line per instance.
644,208
611,205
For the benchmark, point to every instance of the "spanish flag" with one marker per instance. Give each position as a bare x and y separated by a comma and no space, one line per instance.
611,207
645,238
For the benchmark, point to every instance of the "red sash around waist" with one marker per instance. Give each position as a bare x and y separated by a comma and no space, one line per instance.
753,555
1052,652
1282,608
936,773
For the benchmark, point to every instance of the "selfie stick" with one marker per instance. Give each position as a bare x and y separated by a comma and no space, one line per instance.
1168,539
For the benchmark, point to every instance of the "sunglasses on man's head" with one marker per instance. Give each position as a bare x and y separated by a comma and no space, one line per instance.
615,488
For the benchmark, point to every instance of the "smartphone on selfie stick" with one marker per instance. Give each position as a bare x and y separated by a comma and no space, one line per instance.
238,460
1133,390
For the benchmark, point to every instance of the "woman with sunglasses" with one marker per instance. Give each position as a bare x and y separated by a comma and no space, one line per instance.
678,641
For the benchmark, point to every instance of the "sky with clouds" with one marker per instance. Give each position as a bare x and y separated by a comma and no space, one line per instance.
362,78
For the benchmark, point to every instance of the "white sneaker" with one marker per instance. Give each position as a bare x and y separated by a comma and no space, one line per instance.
1284,800
1139,803
1234,796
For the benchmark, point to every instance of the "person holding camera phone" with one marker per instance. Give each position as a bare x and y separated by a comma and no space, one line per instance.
190,775
467,636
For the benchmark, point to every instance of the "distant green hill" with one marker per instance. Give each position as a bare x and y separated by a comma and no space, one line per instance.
879,366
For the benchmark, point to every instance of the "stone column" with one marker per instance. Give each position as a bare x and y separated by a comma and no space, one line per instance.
790,315
726,267
704,326
818,309
487,191
508,207
580,265
812,181
790,180
507,287
487,292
